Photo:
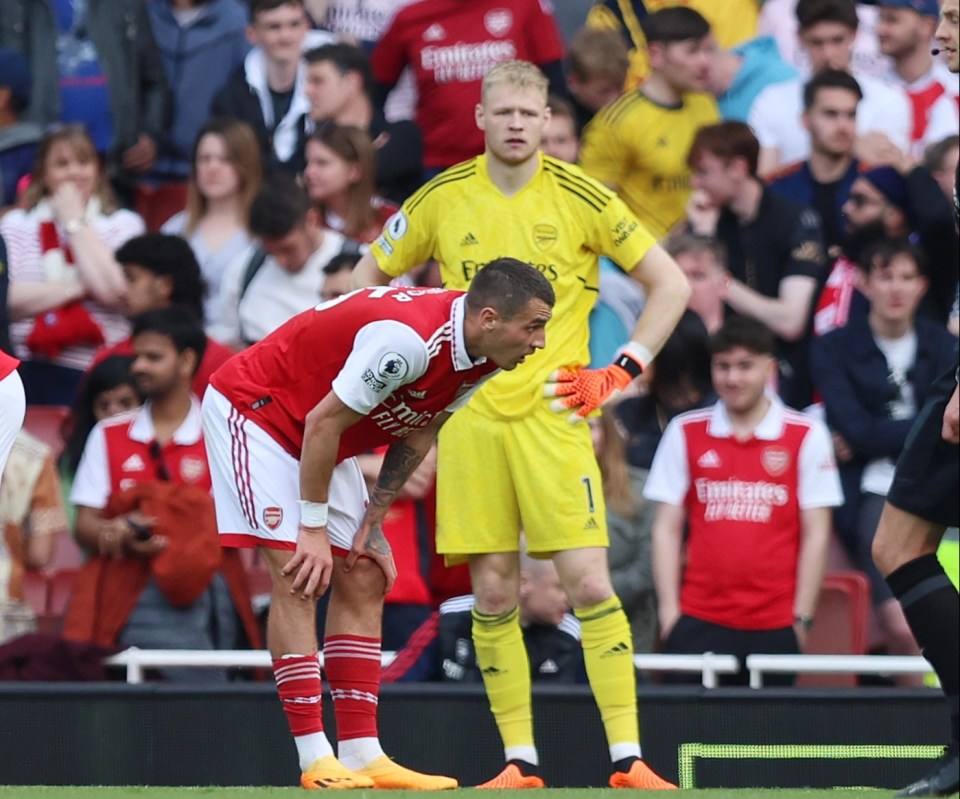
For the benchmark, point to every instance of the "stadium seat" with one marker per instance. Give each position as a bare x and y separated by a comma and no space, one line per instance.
842,625
36,591
44,422
156,204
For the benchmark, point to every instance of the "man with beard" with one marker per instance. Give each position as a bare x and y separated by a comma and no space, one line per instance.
906,202
823,181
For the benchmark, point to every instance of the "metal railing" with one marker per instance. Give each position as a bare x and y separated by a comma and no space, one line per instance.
758,665
137,660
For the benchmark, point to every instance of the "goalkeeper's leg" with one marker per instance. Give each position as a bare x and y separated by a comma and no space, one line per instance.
608,656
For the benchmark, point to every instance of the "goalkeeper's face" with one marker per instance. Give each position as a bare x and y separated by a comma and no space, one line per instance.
509,342
512,119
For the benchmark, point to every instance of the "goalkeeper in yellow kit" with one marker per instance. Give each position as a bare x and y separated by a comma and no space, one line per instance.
508,461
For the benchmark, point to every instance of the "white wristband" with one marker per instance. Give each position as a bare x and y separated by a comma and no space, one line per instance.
313,514
638,352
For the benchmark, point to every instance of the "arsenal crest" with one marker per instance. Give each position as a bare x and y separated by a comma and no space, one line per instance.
272,517
192,469
498,21
544,236
775,460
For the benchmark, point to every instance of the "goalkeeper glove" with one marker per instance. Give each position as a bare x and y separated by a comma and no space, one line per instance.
585,390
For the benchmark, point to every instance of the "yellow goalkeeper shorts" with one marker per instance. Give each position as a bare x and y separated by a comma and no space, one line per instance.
538,474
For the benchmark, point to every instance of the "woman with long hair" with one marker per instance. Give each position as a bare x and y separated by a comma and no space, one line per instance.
224,178
339,179
65,285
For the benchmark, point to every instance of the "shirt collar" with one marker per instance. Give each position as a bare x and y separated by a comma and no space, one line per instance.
458,350
189,432
769,429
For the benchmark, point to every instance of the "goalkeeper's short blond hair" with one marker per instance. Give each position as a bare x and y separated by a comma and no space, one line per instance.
520,74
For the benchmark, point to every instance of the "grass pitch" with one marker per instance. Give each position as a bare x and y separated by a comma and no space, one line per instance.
98,792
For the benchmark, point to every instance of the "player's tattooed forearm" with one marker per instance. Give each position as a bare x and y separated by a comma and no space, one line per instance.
376,541
398,464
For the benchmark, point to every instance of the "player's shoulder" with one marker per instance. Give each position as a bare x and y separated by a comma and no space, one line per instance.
575,184
701,104
801,422
446,186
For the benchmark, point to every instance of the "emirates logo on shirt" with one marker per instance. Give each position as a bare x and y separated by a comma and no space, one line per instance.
498,21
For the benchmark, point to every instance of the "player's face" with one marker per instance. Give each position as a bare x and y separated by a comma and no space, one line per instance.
560,139
901,31
512,119
217,176
145,290
279,32
327,90
66,164
326,174
510,341
707,283
740,377
829,45
832,122
686,65
895,291
115,400
948,34
542,596
157,366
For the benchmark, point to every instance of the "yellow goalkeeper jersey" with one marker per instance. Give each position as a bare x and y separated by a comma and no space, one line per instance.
560,222
639,148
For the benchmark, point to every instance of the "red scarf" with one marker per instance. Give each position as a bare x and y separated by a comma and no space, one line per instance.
69,325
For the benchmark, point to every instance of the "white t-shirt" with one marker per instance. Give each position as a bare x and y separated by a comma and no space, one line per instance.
901,354
776,116
273,296
941,118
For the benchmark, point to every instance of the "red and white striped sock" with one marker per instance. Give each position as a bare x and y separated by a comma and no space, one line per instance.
300,689
352,663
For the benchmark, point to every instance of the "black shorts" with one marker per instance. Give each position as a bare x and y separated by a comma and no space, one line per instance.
927,480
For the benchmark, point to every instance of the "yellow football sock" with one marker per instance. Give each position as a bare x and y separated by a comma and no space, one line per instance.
608,656
502,656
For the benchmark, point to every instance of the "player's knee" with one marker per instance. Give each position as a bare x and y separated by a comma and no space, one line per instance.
364,582
589,590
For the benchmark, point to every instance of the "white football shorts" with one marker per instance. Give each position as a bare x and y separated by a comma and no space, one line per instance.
256,484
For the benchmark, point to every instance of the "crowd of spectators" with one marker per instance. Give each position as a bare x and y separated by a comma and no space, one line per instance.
178,178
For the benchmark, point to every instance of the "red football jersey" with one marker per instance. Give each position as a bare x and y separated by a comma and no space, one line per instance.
450,45
743,500
395,355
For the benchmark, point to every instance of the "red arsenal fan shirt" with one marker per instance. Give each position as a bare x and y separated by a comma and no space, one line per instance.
395,355
451,45
743,500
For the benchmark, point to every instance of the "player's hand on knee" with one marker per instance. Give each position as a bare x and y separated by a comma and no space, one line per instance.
372,543
312,561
